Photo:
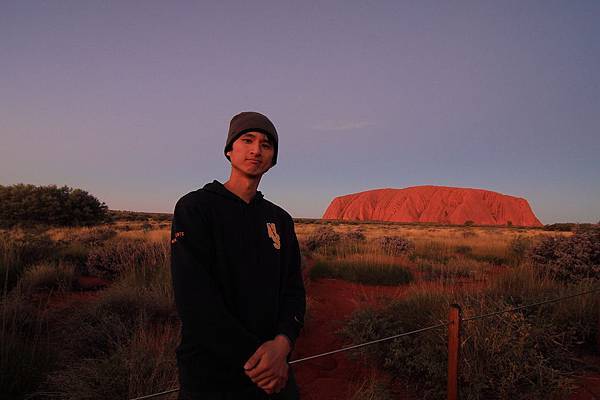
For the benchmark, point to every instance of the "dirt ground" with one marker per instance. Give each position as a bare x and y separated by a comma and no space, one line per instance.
339,376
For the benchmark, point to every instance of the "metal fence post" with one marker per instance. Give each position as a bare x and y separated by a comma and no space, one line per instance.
453,350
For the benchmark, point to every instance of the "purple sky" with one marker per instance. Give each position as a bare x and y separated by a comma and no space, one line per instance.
131,100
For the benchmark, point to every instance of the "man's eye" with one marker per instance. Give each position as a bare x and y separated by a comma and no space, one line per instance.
267,146
246,140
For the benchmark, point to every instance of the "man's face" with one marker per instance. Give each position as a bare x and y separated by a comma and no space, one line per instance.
252,154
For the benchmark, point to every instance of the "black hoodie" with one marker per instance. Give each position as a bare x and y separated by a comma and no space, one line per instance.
237,283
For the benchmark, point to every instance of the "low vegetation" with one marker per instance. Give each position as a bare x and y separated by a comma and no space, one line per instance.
60,342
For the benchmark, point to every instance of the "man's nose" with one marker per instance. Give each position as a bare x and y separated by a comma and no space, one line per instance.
256,148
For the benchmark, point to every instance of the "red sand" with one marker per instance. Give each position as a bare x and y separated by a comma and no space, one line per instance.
336,376
437,204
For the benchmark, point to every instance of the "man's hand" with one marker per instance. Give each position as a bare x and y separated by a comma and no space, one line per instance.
268,367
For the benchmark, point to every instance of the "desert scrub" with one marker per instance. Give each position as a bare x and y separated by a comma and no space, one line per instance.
46,276
522,354
122,344
140,364
323,240
445,272
362,271
120,255
26,355
395,245
570,259
432,251
19,250
370,388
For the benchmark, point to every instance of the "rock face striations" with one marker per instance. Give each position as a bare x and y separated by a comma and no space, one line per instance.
438,204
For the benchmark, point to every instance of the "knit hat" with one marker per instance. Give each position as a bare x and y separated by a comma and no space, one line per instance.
251,121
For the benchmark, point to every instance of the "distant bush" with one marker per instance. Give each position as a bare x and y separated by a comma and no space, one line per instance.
570,259
322,239
395,245
62,206
356,236
572,227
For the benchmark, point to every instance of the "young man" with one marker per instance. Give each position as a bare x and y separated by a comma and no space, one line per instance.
235,264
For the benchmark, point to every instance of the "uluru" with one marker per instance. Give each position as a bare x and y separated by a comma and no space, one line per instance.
433,204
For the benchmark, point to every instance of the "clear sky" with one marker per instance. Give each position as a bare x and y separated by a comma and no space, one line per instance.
131,100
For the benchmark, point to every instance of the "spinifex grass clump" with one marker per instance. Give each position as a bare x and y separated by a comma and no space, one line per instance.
26,354
18,250
368,272
517,355
123,343
47,276
116,256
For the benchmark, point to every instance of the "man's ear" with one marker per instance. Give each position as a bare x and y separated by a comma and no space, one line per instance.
228,153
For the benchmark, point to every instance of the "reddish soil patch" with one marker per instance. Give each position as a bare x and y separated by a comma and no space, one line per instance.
337,376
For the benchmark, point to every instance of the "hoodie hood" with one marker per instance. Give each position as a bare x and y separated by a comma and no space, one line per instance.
218,188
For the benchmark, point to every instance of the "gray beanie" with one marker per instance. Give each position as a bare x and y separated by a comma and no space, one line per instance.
251,121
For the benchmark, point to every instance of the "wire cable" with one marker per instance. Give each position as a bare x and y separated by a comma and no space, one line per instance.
476,317
369,343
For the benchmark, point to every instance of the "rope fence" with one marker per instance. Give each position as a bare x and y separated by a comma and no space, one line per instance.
454,323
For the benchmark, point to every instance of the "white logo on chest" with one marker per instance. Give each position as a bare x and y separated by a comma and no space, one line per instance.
272,231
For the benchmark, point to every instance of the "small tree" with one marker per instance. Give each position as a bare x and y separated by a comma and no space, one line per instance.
52,205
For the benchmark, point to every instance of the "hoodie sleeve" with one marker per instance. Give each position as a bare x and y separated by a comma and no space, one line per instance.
204,316
291,318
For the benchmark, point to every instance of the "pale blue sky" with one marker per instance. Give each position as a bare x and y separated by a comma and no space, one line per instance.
131,100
